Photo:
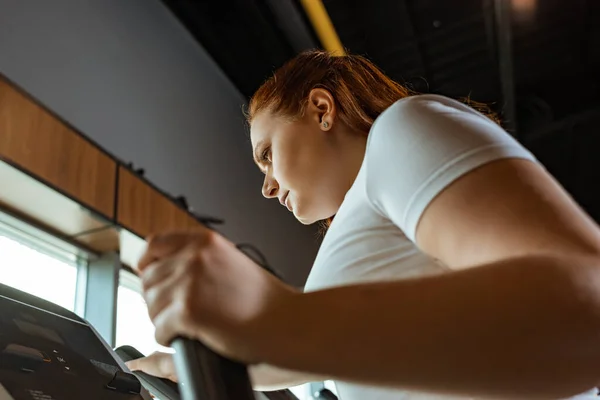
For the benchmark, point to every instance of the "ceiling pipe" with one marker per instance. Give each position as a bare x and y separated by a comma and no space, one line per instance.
319,19
502,13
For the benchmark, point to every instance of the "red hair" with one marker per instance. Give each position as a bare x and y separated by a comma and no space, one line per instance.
360,89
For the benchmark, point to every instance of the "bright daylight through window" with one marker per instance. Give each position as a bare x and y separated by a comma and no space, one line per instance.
37,269
134,327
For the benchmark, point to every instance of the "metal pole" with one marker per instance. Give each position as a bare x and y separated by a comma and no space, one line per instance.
502,14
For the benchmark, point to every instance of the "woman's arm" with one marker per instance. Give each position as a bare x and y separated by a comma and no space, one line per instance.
524,324
526,328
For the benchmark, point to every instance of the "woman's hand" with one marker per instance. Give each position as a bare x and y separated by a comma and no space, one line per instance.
200,286
264,377
156,364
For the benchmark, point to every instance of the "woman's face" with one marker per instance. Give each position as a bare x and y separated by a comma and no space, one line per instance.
309,163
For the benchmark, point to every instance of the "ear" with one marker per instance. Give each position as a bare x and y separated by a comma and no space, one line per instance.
322,108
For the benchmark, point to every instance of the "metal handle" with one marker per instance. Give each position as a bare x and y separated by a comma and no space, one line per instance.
205,375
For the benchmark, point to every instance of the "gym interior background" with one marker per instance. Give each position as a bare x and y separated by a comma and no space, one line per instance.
161,86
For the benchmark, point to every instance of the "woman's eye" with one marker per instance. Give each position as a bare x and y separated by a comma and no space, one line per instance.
266,155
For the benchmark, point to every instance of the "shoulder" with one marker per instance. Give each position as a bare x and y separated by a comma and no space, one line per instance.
431,116
421,144
425,129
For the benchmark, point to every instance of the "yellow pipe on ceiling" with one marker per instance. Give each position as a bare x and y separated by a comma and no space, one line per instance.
319,18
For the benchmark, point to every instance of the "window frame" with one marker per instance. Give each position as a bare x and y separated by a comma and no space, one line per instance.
38,239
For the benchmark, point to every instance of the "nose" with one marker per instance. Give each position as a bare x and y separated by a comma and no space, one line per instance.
270,188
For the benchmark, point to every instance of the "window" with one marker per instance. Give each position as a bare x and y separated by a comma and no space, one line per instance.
134,327
35,265
306,391
302,392
331,386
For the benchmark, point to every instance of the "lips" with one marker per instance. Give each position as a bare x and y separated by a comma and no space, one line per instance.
284,201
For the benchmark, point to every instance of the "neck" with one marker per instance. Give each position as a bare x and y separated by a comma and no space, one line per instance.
354,154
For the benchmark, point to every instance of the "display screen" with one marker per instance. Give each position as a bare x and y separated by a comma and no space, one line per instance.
48,356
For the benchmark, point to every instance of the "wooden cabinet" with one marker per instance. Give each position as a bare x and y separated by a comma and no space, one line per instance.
37,142
51,175
144,210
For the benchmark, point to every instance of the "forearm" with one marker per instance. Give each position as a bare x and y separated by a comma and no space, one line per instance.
526,328
266,377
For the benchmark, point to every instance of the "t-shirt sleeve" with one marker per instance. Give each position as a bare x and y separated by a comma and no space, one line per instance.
420,145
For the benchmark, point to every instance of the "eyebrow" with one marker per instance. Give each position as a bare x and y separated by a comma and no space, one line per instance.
257,150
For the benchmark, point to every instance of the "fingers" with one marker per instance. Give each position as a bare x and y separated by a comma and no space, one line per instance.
165,275
135,365
157,364
161,246
170,324
160,296
171,308
158,271
163,280
168,267
145,364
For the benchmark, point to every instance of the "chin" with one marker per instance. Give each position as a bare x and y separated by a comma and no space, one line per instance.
309,219
304,220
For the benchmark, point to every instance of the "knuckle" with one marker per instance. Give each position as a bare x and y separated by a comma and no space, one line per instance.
205,238
153,239
187,304
158,337
192,264
165,367
162,336
150,298
145,286
146,279
202,245
196,259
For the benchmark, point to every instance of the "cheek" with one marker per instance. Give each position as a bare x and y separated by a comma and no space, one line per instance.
285,171
298,164
287,165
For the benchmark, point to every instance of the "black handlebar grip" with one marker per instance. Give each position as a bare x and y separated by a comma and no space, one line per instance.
205,375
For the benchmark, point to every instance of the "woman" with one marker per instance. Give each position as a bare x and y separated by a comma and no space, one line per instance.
455,265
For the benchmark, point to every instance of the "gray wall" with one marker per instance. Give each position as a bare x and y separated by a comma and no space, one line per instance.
128,75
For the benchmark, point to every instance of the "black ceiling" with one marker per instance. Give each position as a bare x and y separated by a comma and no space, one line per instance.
435,46
248,39
535,61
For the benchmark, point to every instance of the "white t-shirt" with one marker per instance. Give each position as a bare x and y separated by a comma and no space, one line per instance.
415,149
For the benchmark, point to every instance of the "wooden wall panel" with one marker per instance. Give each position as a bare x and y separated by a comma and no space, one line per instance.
40,144
145,211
